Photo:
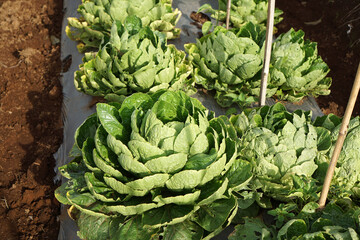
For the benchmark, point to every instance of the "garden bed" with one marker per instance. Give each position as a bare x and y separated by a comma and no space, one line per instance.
31,98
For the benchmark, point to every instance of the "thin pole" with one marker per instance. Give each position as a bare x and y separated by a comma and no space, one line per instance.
268,43
228,13
340,140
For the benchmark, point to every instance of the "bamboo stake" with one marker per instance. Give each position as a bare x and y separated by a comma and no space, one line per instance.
228,13
268,43
340,140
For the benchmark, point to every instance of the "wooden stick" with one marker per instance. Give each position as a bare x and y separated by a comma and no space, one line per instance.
228,13
268,43
340,140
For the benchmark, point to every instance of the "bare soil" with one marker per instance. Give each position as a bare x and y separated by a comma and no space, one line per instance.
30,117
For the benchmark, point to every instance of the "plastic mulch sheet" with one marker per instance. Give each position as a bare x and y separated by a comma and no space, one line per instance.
77,106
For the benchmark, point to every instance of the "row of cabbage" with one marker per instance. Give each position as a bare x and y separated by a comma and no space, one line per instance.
161,166
135,57
154,163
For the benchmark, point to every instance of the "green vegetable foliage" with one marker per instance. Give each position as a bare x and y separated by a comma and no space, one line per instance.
157,164
284,149
135,59
242,11
98,16
230,62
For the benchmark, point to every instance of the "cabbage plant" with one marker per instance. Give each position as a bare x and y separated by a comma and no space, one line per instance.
230,62
156,165
296,69
242,11
226,60
135,59
290,155
97,17
284,149
346,178
338,220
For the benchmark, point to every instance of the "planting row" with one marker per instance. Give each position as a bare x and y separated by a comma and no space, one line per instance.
154,163
131,56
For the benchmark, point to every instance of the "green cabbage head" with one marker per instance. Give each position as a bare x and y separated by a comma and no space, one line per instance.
230,62
135,59
97,17
283,148
227,61
155,165
296,70
242,11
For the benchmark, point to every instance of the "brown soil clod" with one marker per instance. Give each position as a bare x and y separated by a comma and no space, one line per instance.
199,17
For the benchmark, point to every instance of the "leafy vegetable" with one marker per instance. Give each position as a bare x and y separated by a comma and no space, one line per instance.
283,148
159,164
97,17
339,220
346,179
226,60
296,69
252,229
268,135
230,62
135,59
242,11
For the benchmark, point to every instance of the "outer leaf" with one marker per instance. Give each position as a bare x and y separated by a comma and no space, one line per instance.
185,199
168,164
60,194
93,227
252,229
295,227
129,210
184,230
133,229
212,216
86,130
86,203
167,215
108,116
239,175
